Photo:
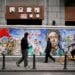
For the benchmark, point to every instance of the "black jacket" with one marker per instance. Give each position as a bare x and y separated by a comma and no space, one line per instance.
24,43
48,47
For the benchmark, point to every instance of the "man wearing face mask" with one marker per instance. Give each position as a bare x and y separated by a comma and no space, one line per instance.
24,50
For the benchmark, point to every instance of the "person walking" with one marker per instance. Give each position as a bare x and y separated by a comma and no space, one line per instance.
24,51
73,51
47,51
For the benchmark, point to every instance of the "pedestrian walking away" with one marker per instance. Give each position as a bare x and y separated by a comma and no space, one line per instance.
47,51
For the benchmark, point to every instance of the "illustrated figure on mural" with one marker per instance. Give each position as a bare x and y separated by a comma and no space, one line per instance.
10,46
37,47
35,44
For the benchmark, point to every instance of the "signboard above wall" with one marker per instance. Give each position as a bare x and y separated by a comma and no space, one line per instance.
70,14
24,12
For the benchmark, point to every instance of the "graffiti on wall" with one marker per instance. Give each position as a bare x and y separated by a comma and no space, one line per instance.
61,39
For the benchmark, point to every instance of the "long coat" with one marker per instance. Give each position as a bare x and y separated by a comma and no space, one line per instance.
24,45
48,47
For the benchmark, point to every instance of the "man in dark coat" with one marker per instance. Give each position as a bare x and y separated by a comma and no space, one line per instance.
47,51
73,51
24,51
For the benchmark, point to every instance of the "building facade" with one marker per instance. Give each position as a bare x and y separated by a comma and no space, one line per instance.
53,10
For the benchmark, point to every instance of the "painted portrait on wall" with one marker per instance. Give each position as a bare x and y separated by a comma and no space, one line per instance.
55,39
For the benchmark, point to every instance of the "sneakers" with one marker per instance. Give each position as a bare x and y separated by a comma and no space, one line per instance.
17,64
27,67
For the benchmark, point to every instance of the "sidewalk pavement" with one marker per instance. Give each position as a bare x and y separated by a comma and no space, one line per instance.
40,66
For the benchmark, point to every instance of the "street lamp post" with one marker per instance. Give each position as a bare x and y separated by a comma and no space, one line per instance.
65,61
3,62
34,63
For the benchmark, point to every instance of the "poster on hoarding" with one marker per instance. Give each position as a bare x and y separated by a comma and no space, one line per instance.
61,39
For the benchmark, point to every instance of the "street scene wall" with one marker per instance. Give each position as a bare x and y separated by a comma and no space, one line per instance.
10,39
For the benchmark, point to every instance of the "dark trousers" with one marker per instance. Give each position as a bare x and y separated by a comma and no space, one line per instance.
73,53
48,55
24,58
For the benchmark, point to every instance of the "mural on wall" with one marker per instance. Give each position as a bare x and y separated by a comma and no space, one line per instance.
61,39
12,41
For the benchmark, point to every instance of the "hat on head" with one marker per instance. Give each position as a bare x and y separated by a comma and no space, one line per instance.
26,34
